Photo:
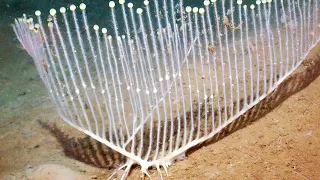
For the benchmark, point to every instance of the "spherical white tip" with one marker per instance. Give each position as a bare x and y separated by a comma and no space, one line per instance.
252,6
96,27
53,12
123,36
37,26
264,1
195,10
206,2
121,2
82,6
63,10
245,7
213,1
37,13
258,2
239,2
31,27
104,30
139,11
112,4
201,11
109,37
130,5
72,7
50,24
188,9
30,20
146,2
